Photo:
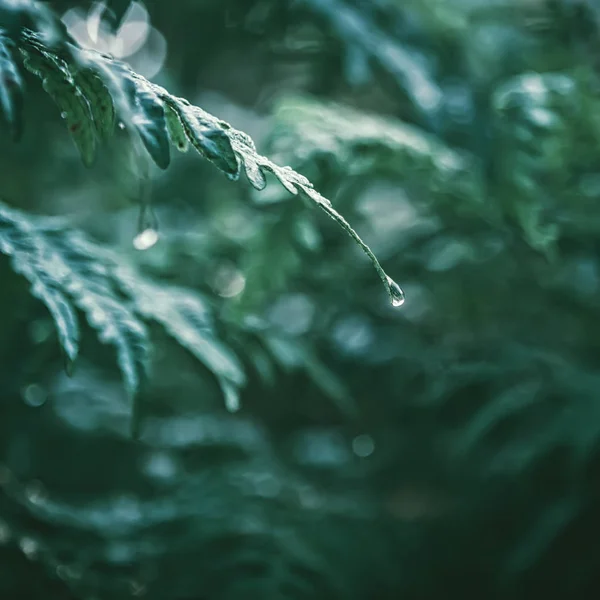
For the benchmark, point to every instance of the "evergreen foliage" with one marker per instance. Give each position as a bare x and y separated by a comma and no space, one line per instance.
298,437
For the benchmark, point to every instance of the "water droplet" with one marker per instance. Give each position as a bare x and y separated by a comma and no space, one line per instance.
35,492
34,395
63,114
228,281
147,228
396,293
29,547
121,125
160,466
363,445
146,239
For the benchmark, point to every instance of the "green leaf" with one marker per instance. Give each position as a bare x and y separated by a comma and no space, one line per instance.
149,120
30,258
157,115
353,144
66,272
186,317
368,42
99,99
176,130
11,88
60,86
209,139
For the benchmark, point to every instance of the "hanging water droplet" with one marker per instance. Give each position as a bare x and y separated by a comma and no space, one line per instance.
396,293
146,239
147,228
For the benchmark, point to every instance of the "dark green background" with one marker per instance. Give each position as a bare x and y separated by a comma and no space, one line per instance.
447,449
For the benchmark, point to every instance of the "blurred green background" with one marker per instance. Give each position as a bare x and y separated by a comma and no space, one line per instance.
449,448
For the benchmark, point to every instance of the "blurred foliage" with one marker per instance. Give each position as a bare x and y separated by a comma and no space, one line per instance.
449,448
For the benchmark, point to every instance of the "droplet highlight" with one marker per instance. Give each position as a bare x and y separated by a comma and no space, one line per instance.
146,239
396,293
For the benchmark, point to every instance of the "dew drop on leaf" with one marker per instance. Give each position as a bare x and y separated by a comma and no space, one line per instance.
396,293
145,239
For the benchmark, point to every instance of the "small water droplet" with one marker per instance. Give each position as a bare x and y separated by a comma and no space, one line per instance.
29,547
121,125
35,492
146,239
161,466
34,395
63,114
363,445
396,293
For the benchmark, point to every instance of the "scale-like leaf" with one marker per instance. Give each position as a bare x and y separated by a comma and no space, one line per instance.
99,99
157,115
176,130
66,271
229,149
212,142
68,97
11,88
31,259
143,108
149,120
